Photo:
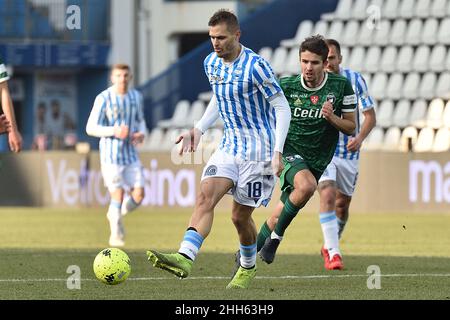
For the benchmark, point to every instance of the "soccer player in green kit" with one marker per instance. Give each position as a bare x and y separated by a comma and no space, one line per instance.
322,104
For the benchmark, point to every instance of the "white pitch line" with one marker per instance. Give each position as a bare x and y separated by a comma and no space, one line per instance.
394,275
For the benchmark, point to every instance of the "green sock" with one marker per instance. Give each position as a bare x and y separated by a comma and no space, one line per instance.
264,232
287,215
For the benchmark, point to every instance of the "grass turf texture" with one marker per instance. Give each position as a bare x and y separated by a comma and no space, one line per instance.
38,245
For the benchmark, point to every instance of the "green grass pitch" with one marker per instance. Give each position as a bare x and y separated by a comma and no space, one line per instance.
38,245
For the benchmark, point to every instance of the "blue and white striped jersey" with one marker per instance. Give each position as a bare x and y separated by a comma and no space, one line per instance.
242,89
109,110
364,101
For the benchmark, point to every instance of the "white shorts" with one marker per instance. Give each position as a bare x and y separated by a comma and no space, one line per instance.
123,177
253,180
344,172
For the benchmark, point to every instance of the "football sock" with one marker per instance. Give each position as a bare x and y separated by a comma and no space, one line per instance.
191,244
114,217
248,255
129,205
328,222
341,226
264,232
287,215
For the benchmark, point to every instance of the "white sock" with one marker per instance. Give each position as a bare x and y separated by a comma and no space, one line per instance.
248,255
330,229
273,235
115,219
191,244
128,205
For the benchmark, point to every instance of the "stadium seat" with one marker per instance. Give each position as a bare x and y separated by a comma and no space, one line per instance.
441,140
404,59
398,31
373,59
378,85
384,113
358,11
266,54
169,138
292,63
394,89
421,58
381,36
374,140
388,59
408,139
427,88
401,113
434,113
179,115
414,32
391,139
422,9
425,140
444,31
321,27
390,9
418,113
438,8
195,113
345,53
279,59
351,30
406,9
430,30
356,59
446,115
304,30
336,29
411,85
447,61
153,140
443,85
365,35
437,57
342,12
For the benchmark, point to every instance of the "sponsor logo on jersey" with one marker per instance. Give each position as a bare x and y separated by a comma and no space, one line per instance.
314,99
298,102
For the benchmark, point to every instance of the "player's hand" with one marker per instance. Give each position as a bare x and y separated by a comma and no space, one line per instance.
137,138
5,125
190,141
354,144
15,141
327,110
277,163
121,132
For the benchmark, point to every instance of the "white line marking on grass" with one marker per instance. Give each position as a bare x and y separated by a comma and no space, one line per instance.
394,275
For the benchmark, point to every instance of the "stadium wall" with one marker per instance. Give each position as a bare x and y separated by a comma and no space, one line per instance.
388,182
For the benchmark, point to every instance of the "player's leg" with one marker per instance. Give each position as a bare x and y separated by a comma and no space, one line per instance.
342,211
304,184
246,228
134,177
268,225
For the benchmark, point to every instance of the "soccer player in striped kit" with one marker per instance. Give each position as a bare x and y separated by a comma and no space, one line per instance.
117,118
249,100
14,136
338,181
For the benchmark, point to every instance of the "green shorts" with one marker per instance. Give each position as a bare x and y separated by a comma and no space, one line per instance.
293,164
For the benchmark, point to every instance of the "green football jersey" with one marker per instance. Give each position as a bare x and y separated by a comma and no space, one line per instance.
310,135
3,73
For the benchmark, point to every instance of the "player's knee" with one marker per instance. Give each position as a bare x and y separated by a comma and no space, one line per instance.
327,196
304,188
238,220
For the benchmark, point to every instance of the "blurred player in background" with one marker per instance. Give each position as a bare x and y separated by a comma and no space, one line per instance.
338,181
249,100
117,118
322,104
14,137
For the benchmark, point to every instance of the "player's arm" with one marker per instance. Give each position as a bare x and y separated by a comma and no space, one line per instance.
368,110
265,79
191,138
139,136
14,137
95,126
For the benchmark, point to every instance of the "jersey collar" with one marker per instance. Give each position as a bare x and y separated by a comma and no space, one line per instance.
325,78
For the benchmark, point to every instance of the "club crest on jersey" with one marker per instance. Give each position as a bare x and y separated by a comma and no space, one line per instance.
314,99
211,171
331,98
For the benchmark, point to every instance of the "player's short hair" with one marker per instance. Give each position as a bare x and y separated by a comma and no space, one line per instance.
120,66
315,44
335,43
224,16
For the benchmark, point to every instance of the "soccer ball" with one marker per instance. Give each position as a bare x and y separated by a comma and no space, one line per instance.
112,266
